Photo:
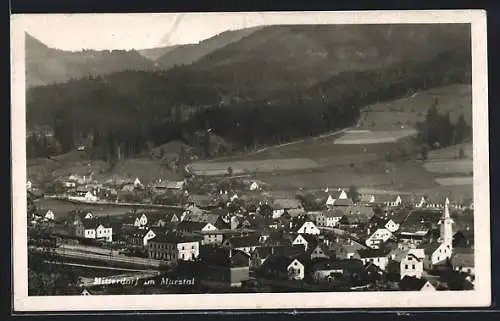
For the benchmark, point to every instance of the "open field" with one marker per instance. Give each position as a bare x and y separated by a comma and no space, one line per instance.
374,137
456,99
452,181
450,166
380,175
452,152
239,167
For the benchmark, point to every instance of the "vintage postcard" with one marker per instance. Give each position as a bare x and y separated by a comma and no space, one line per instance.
256,160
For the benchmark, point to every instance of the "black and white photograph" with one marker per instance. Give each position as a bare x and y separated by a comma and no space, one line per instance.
250,160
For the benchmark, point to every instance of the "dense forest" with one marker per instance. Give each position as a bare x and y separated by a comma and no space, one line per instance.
125,113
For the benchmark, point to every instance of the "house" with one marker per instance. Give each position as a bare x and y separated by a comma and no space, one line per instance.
149,235
379,237
412,264
334,269
421,203
378,257
319,252
260,255
90,197
435,254
284,204
463,238
247,244
409,283
307,240
463,261
254,186
343,203
223,267
172,247
49,216
349,250
28,185
94,229
189,227
329,218
284,267
367,199
85,292
389,200
141,221
175,185
391,225
333,197
200,201
308,227
137,183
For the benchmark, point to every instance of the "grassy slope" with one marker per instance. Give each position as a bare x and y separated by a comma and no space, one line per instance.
456,99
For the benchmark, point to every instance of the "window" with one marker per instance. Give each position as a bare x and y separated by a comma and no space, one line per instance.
413,267
406,266
295,263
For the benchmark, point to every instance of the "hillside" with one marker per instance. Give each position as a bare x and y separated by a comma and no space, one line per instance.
187,54
407,111
46,65
155,53
278,58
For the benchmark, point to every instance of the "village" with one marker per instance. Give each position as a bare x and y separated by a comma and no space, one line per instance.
233,233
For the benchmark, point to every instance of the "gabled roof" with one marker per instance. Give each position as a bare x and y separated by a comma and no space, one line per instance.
429,248
264,251
278,263
91,224
372,253
343,202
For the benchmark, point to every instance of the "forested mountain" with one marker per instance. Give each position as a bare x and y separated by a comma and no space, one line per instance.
187,54
282,58
267,88
46,65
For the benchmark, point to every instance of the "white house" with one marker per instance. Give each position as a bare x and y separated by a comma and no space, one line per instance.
49,216
319,253
309,228
394,202
148,236
254,186
330,218
421,203
330,201
137,182
187,250
339,195
93,229
104,232
141,221
378,237
90,197
88,216
391,226
412,264
436,254
379,258
305,239
296,270
234,197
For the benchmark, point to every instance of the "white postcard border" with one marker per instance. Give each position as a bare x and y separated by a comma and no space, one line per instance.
479,297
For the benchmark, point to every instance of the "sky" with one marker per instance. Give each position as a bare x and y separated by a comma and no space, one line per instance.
148,30
133,31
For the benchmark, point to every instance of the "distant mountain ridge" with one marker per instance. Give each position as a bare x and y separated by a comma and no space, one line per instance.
187,54
45,65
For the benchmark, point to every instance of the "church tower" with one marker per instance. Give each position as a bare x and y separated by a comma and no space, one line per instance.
446,226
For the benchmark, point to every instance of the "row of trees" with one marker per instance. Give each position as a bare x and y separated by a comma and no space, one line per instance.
437,130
